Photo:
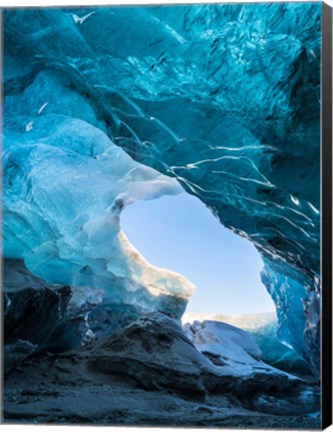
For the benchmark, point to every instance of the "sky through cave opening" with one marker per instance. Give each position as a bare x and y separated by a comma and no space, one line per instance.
179,233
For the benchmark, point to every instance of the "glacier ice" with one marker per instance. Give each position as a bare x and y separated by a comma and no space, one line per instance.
64,221
264,329
228,343
107,105
231,348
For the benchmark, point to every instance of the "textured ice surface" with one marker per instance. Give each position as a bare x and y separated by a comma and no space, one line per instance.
226,344
223,99
62,210
264,330
231,348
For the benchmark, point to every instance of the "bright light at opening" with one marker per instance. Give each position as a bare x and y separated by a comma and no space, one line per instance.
181,234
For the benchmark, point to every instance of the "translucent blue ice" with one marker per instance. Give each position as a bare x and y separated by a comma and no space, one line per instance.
109,104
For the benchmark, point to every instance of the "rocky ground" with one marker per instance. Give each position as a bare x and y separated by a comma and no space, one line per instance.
151,374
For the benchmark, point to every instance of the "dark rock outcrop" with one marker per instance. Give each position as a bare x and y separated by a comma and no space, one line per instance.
33,309
155,353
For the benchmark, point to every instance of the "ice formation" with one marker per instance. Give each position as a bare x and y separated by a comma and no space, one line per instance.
263,328
224,343
105,105
62,210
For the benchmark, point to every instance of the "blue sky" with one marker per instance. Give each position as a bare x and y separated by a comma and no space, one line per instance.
181,234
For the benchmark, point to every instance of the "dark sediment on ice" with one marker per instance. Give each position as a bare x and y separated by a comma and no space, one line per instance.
149,373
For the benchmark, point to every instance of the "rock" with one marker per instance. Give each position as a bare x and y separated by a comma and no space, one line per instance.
155,352
34,308
15,353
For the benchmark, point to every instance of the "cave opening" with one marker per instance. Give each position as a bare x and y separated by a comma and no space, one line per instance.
181,234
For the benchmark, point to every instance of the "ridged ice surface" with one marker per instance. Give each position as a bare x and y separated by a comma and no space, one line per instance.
105,105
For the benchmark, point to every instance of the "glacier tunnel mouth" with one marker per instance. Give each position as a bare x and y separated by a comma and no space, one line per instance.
181,234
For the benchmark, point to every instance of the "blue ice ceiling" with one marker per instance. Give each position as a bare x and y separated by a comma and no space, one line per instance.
108,105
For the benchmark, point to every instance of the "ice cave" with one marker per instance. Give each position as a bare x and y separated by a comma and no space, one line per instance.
105,107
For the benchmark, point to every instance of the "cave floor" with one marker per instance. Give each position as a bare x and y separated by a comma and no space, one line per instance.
57,389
